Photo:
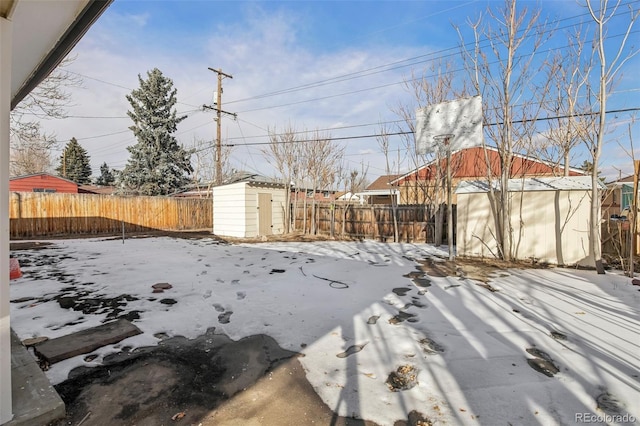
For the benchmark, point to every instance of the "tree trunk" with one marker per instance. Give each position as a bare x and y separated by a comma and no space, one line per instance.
439,223
287,209
304,217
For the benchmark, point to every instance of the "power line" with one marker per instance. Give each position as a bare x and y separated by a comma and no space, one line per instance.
332,80
374,135
397,64
80,116
373,124
119,85
537,52
379,68
248,149
362,73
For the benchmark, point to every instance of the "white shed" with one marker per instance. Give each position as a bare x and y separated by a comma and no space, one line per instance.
249,208
549,216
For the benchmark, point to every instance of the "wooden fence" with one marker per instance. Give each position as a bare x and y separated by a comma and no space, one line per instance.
40,214
616,239
416,223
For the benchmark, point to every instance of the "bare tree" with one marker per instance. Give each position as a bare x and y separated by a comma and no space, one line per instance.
354,181
30,146
31,152
567,72
609,69
502,74
383,142
435,85
321,158
633,208
283,152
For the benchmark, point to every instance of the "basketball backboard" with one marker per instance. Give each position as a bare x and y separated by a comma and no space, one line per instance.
460,118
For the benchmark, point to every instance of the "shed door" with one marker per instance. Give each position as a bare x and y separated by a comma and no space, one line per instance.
264,214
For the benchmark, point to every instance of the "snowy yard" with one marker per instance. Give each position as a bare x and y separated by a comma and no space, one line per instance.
358,311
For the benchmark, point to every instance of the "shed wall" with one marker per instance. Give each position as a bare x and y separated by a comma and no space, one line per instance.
554,226
279,197
278,200
230,210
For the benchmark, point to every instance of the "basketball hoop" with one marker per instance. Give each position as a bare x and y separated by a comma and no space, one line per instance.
443,140
459,122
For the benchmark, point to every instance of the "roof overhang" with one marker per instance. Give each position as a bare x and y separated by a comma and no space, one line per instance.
561,183
378,192
254,184
44,32
417,170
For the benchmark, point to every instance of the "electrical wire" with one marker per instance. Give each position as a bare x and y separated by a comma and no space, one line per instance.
397,64
344,138
362,73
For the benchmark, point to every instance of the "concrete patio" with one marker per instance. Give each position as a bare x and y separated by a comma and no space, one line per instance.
35,401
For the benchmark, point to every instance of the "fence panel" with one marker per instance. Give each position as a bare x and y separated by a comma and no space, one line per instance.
616,239
39,214
415,222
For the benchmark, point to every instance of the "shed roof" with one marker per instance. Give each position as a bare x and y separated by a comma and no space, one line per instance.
561,183
249,177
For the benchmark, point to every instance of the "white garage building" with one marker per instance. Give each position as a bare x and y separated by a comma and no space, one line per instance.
549,216
250,206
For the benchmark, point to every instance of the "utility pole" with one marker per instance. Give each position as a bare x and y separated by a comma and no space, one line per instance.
219,111
444,140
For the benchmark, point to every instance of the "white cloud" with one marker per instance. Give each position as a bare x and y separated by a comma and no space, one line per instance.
265,53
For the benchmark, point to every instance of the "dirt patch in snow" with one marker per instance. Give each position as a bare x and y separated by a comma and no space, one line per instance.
210,380
481,270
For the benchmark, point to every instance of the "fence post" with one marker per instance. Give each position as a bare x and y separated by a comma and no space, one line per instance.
373,223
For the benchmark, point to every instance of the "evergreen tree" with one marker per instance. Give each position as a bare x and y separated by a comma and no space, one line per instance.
587,167
157,165
106,177
74,163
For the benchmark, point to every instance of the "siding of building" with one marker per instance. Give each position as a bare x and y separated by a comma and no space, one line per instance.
618,196
42,182
323,196
229,210
471,163
420,186
278,204
551,226
235,209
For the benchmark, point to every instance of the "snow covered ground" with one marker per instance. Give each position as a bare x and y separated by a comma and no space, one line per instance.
354,311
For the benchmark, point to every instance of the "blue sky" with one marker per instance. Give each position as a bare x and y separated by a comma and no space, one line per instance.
272,46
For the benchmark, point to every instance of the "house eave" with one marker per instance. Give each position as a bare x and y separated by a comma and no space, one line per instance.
89,14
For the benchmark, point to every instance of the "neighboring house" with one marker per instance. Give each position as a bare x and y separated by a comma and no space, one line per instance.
200,190
42,182
381,191
618,198
419,185
321,195
349,197
96,189
248,206
555,231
